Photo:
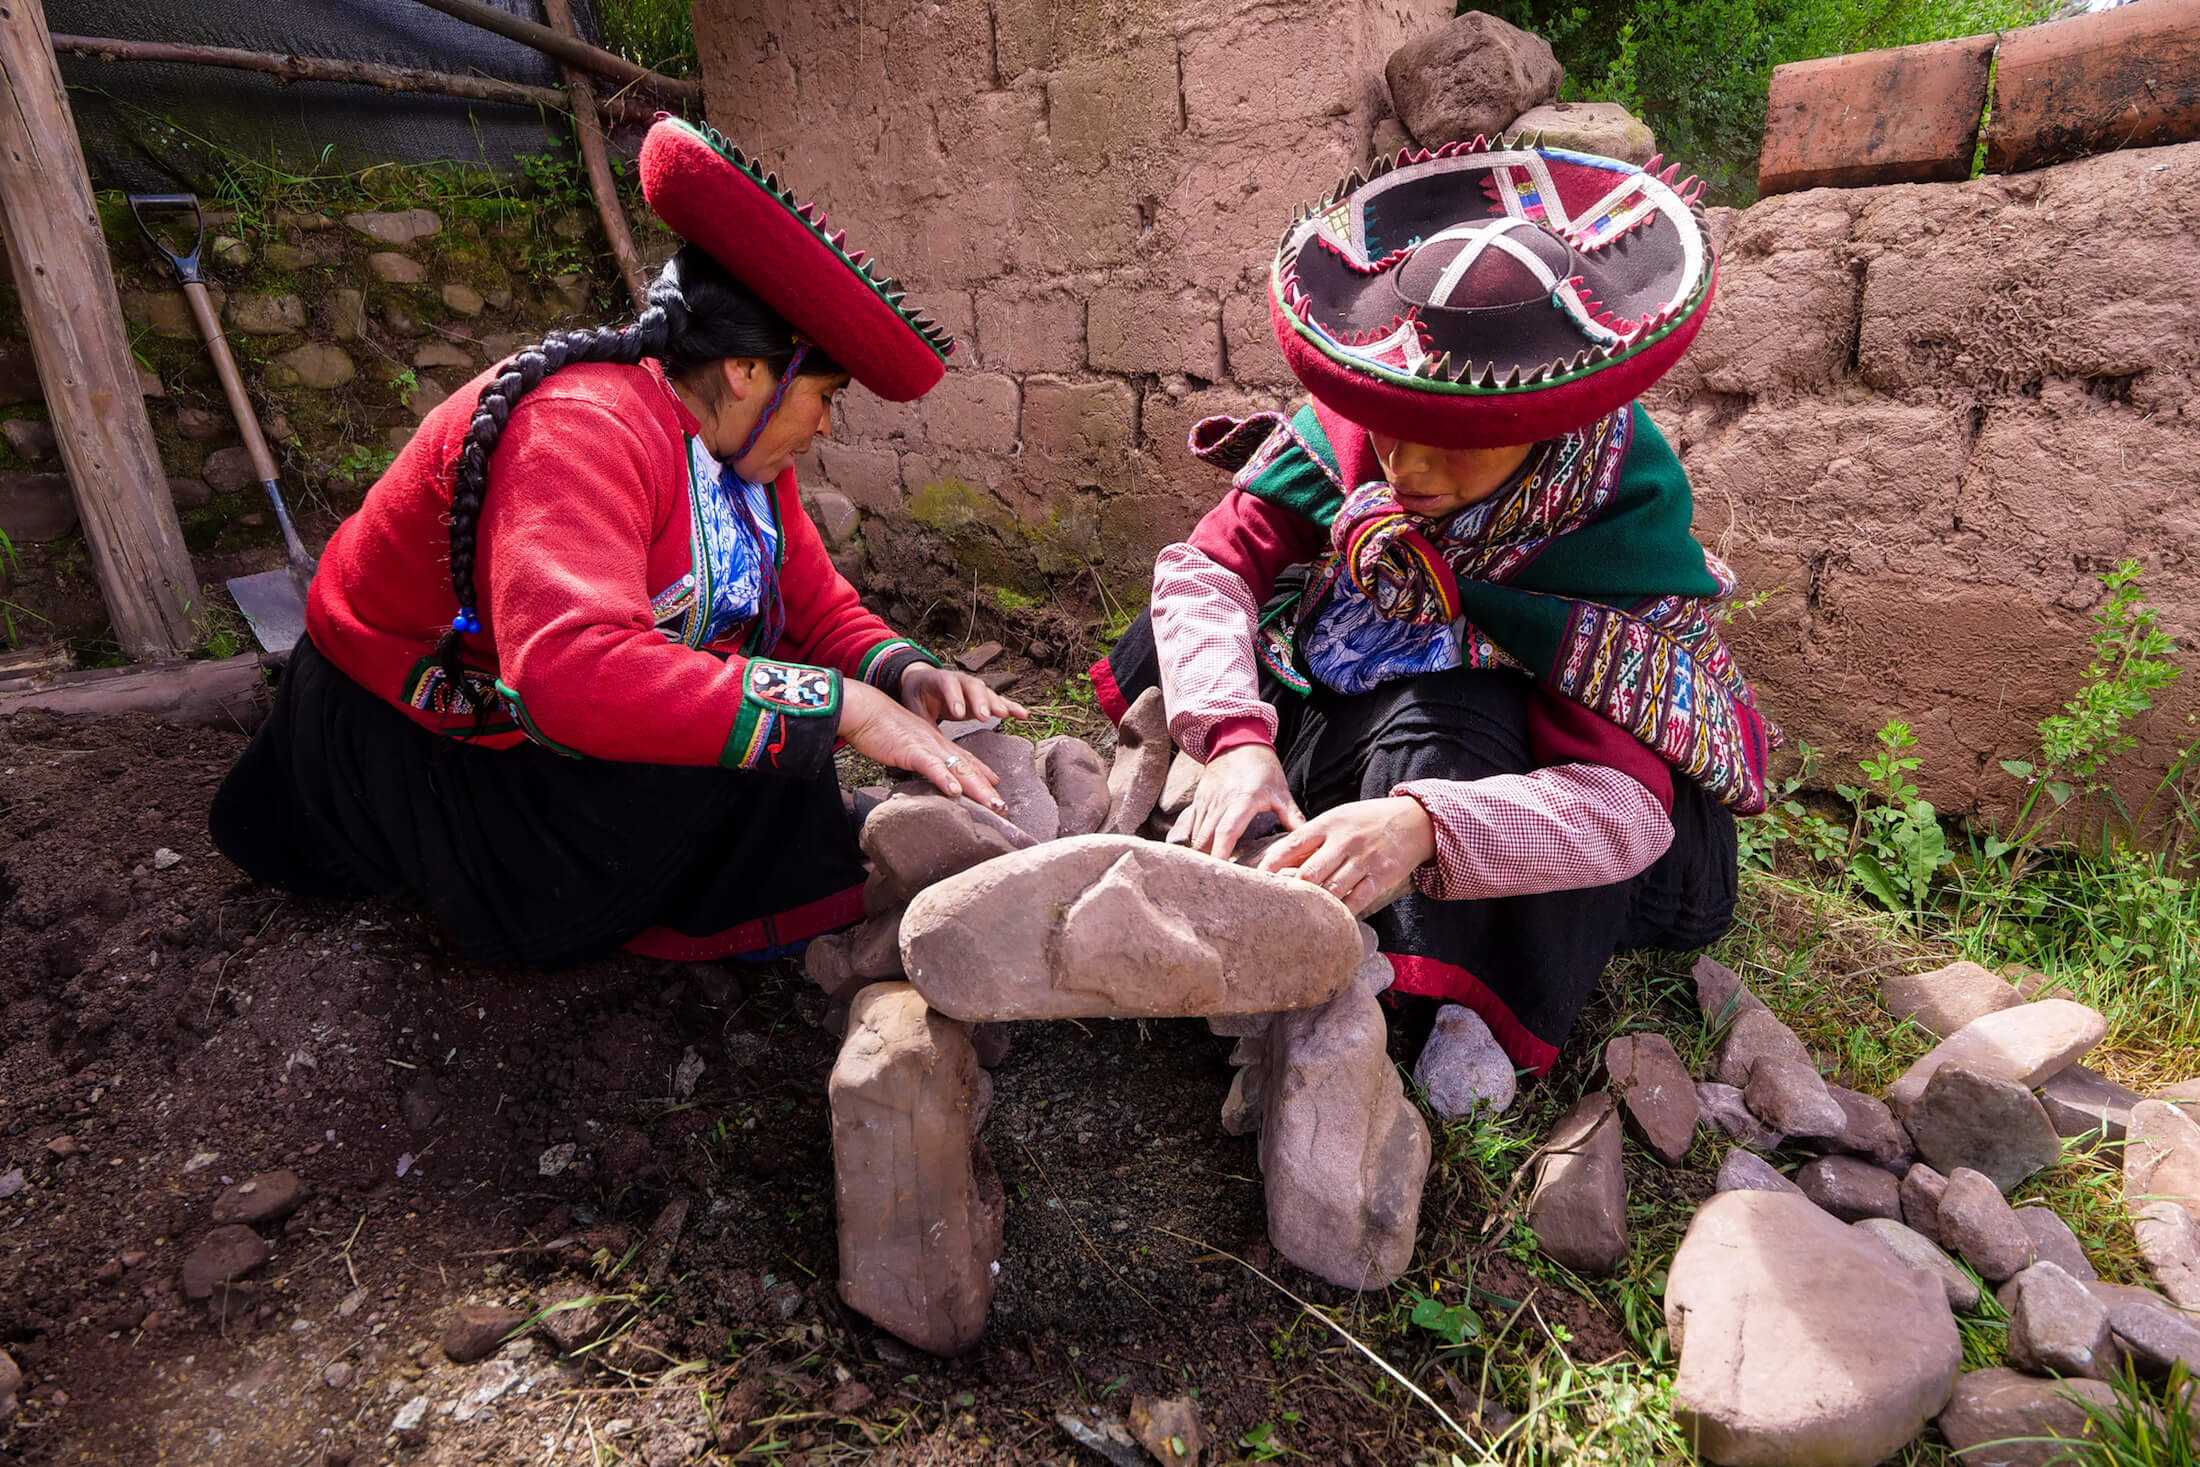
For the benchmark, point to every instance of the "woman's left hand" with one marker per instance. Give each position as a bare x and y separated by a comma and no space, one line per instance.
940,693
1359,852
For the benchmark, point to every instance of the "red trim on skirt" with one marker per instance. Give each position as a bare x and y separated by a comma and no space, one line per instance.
811,919
1434,978
1112,701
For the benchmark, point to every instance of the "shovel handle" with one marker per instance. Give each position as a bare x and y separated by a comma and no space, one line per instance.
185,266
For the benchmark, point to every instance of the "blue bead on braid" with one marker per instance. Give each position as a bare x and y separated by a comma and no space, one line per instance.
466,623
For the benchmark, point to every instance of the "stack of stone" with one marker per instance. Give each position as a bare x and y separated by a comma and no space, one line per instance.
1815,1314
1059,909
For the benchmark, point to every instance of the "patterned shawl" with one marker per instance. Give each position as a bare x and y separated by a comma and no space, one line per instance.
1583,573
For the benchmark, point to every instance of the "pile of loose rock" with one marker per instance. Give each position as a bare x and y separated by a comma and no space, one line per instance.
1074,903
1814,1315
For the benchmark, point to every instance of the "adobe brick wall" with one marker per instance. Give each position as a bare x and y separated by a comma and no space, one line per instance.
1088,196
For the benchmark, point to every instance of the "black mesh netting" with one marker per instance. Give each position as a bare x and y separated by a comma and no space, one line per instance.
146,125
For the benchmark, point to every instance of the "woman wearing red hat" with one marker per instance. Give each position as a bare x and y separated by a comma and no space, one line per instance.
1451,608
575,671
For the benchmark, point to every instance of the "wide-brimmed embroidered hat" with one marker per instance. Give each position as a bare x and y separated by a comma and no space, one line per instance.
714,195
1491,293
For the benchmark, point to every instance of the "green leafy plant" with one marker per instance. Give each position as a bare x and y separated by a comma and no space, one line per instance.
1454,1324
1896,845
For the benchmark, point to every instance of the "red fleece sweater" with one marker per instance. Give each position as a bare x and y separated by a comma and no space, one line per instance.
586,521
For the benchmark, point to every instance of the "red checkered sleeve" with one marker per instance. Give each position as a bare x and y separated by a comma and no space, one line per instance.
1203,616
1559,828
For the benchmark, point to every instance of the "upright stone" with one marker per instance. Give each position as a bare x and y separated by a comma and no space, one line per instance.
1721,995
2027,1044
919,1205
1946,999
1181,785
1756,1035
1343,1153
1078,781
1998,1418
2053,1242
1142,756
1802,1340
1922,1188
1977,1223
1462,1065
2084,1102
2162,1157
1015,767
1469,78
1578,1211
2169,1241
2056,1326
1657,1098
1986,1123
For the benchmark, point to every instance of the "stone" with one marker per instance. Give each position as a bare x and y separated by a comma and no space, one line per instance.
829,962
166,312
874,948
35,507
2169,1241
1791,1097
1869,1130
836,516
30,440
1657,1098
1469,77
570,294
396,226
2184,1092
202,425
476,1330
1578,1211
268,1197
2098,83
441,353
2001,1418
1721,995
1078,781
917,840
1922,1188
1851,1188
2056,1327
2085,1102
980,657
395,269
1946,999
1343,1152
1170,1430
463,299
1604,129
2053,1242
1757,1035
1723,1107
1241,1107
410,1424
11,1381
1919,1252
1908,114
2162,1157
347,314
1978,1225
1462,1066
1801,1339
992,1042
317,364
1102,926
2027,1044
266,315
1984,1122
1031,806
1142,756
229,470
226,1254
1745,1171
919,1205
189,493
1181,785
2156,1337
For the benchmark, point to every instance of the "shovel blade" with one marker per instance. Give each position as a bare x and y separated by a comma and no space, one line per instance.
270,601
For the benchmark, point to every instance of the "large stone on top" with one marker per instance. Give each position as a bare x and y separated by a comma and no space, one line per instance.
1656,1095
2162,1157
1578,1211
1984,1122
1469,77
1142,757
1115,927
915,840
919,1205
1343,1152
1803,1343
2027,1044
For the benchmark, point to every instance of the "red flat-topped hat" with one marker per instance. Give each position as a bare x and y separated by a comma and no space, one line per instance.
1491,293
717,197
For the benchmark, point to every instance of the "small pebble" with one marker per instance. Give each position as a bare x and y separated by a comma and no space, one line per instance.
338,1375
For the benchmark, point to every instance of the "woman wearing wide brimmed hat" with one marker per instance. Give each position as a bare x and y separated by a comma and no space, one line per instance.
575,671
1451,608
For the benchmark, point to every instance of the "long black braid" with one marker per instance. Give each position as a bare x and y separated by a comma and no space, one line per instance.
698,315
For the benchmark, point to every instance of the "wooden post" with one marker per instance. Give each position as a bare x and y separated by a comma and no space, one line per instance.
588,126
67,287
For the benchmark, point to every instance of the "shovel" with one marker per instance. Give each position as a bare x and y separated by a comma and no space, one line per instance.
272,601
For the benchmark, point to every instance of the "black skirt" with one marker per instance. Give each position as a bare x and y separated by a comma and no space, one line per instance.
1526,964
524,855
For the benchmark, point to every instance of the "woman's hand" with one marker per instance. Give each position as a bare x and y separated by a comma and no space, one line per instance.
877,727
1237,785
1359,852
938,692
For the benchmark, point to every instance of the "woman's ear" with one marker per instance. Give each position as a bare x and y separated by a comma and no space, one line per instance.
740,376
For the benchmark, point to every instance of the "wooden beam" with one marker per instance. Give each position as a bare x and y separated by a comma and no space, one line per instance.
589,126
67,289
231,693
566,48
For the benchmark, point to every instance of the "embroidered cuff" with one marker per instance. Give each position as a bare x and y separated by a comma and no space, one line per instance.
789,718
1244,729
884,664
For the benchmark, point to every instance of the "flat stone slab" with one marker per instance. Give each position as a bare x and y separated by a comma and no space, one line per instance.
1946,999
1802,1340
2162,1157
1746,1171
2156,1337
2000,1410
1919,1251
1578,1211
2027,1044
1851,1188
1657,1097
1908,114
2084,1102
1105,926
1984,1122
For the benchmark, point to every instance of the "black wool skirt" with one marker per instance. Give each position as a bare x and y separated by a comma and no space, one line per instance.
1526,964
525,856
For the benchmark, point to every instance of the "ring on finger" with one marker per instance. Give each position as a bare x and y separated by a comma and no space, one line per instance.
951,761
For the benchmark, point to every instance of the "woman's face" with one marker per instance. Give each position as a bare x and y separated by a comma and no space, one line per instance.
804,415
1435,482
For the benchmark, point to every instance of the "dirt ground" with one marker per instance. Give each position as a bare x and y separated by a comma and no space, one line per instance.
167,1027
